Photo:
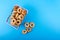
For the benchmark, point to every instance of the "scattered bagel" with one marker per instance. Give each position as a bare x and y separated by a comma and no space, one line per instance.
28,29
26,24
24,31
31,25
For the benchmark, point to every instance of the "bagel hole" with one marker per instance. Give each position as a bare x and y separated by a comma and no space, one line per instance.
19,10
19,13
31,24
17,21
24,31
13,20
26,24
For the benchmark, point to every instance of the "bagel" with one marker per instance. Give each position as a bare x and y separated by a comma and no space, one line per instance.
24,31
16,15
24,12
20,17
19,10
28,29
12,22
15,8
13,14
31,24
26,24
18,22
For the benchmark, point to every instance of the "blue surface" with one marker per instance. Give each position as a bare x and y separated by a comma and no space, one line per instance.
45,14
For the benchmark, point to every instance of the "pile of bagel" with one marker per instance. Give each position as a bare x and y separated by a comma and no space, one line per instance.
17,15
28,27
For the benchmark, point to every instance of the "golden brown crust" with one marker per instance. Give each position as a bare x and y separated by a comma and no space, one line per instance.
28,29
18,22
13,21
26,24
31,25
24,12
20,17
24,31
16,16
15,8
19,10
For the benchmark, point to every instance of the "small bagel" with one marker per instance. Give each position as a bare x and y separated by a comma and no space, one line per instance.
26,24
18,22
12,22
24,12
13,14
24,31
31,25
19,10
16,15
20,17
28,29
15,8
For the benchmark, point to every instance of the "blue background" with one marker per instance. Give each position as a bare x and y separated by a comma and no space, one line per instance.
44,13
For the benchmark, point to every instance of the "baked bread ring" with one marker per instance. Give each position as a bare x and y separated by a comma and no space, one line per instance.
24,31
12,22
13,14
28,29
18,22
24,12
16,15
20,17
26,24
19,10
31,25
15,8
